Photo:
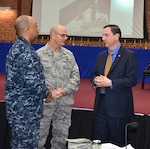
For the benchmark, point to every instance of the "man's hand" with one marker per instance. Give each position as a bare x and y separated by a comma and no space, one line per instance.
47,100
57,93
102,81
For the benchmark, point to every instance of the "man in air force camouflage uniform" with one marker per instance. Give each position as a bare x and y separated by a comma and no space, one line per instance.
62,75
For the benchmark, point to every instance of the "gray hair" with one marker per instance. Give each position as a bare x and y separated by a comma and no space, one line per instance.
54,29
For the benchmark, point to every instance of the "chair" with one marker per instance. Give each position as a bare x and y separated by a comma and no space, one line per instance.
146,72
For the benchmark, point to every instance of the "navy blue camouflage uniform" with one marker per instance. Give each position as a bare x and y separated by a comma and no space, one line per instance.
25,90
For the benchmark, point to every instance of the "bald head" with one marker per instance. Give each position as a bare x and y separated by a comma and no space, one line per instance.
57,28
26,26
58,36
21,23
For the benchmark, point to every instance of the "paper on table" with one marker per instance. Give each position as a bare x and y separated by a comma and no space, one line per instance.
80,143
112,146
79,140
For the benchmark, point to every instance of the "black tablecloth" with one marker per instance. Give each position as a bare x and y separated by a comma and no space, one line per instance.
82,126
4,128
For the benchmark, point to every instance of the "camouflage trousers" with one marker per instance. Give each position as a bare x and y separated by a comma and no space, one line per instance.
24,134
60,116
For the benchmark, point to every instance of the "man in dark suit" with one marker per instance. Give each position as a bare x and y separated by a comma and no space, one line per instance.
114,101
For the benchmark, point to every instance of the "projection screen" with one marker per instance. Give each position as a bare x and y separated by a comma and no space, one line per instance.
88,17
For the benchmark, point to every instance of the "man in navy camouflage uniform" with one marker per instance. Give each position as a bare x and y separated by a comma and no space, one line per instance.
62,74
25,86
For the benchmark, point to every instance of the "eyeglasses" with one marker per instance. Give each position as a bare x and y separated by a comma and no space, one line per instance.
62,35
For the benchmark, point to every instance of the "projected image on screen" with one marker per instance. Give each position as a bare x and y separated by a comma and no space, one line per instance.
88,17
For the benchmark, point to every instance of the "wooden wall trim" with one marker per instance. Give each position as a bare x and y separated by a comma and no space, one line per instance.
19,7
